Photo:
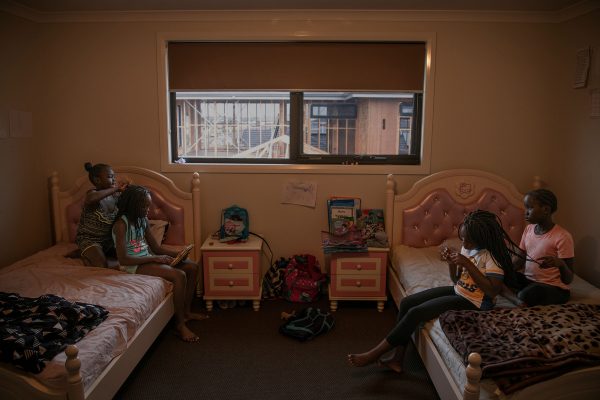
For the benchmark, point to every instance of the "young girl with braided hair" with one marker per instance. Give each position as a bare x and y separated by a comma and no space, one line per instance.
139,253
548,253
98,215
478,272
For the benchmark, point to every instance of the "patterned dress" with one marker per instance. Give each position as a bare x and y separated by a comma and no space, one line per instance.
95,225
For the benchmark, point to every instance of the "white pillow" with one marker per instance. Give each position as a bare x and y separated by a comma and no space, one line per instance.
158,229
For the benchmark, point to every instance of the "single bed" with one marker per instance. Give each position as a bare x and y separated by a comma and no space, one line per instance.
417,222
139,306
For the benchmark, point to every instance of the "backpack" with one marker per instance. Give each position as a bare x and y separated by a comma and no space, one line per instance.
272,284
307,324
303,279
235,225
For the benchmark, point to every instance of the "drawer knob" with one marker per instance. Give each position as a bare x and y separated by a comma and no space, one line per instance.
230,266
230,283
358,267
358,284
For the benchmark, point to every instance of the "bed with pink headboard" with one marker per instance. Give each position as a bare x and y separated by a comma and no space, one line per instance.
139,306
424,217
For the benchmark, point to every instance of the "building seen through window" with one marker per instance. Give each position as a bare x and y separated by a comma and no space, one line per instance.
291,127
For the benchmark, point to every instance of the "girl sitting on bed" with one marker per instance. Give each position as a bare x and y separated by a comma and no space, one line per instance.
548,253
477,271
139,253
93,237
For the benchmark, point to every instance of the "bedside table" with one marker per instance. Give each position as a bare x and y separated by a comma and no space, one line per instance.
232,271
358,276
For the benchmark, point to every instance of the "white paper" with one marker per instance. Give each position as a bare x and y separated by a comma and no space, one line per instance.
582,68
300,193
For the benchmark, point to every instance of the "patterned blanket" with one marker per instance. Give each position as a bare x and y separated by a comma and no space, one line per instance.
525,345
34,330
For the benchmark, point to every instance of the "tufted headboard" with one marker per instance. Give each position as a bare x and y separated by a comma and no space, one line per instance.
169,203
434,207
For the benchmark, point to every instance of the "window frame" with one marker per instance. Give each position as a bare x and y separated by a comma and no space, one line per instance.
278,165
296,147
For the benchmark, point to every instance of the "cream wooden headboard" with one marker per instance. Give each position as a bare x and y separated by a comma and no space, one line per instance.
181,209
433,208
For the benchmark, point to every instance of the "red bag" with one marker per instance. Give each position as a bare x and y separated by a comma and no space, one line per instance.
303,279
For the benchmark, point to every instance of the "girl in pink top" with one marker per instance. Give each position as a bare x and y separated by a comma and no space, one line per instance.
549,253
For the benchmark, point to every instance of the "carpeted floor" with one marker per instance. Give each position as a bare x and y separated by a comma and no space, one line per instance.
241,355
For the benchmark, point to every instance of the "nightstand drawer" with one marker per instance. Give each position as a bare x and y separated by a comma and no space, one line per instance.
237,263
357,285
246,284
368,264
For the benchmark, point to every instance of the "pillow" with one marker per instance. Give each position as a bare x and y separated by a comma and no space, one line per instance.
158,229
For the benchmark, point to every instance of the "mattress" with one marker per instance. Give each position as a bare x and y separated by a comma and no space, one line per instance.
130,300
421,268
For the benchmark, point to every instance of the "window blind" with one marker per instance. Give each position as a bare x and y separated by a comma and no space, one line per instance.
297,66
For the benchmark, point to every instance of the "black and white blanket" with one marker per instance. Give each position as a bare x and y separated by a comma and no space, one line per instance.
525,345
34,330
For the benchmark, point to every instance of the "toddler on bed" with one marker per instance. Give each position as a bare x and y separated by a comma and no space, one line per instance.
97,216
138,252
548,254
478,272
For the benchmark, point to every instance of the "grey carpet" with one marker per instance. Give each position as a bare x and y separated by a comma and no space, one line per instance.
241,355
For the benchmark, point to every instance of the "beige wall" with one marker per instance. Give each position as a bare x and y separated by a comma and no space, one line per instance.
576,144
495,108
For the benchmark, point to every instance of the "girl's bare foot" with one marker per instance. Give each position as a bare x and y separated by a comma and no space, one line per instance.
362,359
195,317
186,334
391,363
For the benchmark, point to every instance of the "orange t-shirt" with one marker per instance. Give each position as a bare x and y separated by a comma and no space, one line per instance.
557,242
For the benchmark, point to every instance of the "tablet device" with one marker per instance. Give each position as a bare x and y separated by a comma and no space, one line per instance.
182,255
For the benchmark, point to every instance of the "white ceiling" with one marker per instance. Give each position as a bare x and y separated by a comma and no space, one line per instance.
49,6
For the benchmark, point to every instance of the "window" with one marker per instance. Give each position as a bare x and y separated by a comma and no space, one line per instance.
220,111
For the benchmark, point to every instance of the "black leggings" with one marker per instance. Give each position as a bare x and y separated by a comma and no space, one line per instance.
539,294
424,306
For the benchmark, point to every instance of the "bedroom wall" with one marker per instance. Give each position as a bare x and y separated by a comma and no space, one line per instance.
494,109
576,145
23,195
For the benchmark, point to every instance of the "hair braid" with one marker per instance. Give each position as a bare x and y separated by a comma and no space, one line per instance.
132,204
484,229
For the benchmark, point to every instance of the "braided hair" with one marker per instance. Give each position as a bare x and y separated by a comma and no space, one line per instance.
484,229
94,170
545,197
132,204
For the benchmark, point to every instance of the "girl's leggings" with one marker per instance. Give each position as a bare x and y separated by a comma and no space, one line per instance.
422,307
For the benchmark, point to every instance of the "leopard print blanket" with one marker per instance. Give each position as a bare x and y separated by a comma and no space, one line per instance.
525,345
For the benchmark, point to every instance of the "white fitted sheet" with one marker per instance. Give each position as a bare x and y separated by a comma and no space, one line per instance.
130,299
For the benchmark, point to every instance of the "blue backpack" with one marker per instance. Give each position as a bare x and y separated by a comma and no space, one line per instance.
234,224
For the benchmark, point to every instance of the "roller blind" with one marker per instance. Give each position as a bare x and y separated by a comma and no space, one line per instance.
302,66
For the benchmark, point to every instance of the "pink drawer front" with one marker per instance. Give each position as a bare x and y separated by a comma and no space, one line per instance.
232,285
367,264
347,285
230,263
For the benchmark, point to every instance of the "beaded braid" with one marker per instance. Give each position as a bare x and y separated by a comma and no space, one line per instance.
545,197
131,204
484,229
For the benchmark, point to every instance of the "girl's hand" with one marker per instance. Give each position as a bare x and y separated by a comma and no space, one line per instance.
445,252
122,185
458,259
550,262
163,259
